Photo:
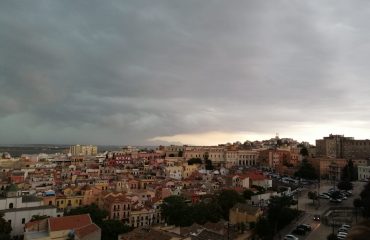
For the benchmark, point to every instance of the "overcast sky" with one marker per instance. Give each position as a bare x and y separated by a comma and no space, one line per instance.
195,72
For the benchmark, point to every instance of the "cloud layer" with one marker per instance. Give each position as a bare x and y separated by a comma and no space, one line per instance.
125,72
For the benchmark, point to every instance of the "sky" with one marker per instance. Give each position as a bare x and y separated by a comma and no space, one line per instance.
191,72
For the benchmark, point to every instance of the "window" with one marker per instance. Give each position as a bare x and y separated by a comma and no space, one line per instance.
23,220
11,205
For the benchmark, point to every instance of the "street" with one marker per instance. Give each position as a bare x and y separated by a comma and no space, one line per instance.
319,231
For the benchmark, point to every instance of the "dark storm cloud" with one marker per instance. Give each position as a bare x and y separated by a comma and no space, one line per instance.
126,71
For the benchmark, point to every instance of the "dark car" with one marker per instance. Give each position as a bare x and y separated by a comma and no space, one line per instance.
306,227
316,217
299,231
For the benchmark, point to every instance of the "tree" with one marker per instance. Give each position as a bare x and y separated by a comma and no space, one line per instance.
192,161
5,228
349,172
247,194
209,165
365,200
279,212
97,215
306,170
227,199
112,228
313,196
264,229
304,152
331,236
357,203
173,207
345,185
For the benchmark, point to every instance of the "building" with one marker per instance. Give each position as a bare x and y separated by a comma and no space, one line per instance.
241,158
83,150
244,213
18,210
363,173
326,167
118,206
338,146
77,227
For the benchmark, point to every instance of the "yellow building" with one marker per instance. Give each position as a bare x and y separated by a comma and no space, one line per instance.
244,213
63,202
189,169
83,150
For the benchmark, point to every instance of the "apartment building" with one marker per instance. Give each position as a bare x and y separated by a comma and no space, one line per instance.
338,146
83,150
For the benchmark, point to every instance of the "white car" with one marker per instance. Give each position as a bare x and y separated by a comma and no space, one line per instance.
342,234
345,226
290,237
324,196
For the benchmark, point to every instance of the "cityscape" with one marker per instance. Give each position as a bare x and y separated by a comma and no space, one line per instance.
184,120
276,188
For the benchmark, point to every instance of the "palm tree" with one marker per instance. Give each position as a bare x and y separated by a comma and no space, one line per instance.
357,203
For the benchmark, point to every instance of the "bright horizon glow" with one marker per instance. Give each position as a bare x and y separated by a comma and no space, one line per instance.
305,132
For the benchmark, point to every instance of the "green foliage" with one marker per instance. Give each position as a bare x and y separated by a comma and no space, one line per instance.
202,212
306,170
259,189
279,215
345,185
365,200
97,215
212,211
331,236
112,228
264,229
227,199
5,228
357,203
192,161
173,207
209,165
247,194
312,195
349,172
303,152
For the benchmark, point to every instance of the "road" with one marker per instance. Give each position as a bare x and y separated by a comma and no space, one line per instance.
319,231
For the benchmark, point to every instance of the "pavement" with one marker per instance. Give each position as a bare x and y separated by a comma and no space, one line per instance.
319,231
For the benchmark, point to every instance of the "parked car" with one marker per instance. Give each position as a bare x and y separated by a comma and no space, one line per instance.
290,237
345,226
305,227
299,231
335,200
342,234
324,196
343,230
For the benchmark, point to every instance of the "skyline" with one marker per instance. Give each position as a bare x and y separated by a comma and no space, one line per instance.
134,73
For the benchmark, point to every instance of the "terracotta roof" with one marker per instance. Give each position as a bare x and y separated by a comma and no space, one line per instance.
86,230
255,176
69,222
